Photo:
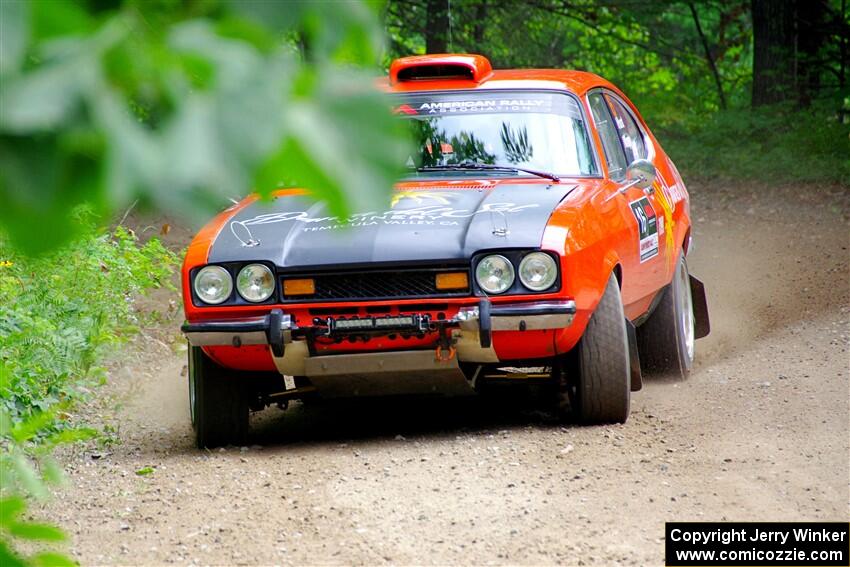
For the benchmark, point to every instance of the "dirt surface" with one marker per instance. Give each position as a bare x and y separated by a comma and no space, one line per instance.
758,432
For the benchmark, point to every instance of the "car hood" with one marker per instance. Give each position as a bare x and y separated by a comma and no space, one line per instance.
420,224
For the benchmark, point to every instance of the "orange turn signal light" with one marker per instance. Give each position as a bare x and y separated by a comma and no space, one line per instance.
304,286
452,280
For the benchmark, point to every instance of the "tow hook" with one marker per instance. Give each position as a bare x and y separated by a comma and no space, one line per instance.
450,353
445,347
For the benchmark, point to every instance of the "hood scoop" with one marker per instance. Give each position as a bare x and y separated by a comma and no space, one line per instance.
457,67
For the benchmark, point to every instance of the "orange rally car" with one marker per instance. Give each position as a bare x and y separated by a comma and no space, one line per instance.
540,235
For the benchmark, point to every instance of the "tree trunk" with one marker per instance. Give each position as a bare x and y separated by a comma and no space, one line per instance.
480,23
437,26
843,48
708,57
774,51
811,32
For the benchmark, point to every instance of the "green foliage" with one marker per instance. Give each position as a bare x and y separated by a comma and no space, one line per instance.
779,144
59,315
179,105
26,469
185,104
59,312
12,526
653,51
650,49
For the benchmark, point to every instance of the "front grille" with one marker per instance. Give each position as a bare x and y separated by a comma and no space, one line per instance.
399,284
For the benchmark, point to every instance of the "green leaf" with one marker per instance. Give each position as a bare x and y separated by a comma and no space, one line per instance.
70,436
10,508
50,95
29,428
318,154
248,31
145,471
8,558
14,34
5,376
51,471
38,532
292,162
51,559
41,179
345,32
180,113
44,99
232,59
269,14
26,476
340,31
59,17
5,423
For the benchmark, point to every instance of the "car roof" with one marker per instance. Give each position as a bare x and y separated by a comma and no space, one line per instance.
483,77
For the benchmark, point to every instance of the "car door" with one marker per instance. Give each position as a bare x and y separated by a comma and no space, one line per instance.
623,142
636,142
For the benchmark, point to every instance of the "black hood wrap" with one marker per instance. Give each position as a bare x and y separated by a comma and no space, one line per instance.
420,226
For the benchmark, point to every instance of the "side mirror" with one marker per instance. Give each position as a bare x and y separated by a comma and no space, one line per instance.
641,174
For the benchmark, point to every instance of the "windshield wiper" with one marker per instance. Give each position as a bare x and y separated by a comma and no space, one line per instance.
474,165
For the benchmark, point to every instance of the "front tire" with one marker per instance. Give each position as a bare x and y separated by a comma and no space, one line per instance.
218,403
666,339
598,372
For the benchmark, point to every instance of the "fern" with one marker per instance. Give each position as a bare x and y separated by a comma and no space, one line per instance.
59,315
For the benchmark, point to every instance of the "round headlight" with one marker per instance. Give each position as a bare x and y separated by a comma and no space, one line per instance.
213,284
538,271
255,282
495,274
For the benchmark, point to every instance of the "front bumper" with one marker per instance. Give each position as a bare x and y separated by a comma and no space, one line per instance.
468,333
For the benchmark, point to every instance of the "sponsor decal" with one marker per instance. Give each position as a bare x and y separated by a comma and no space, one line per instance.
647,228
488,105
419,197
665,198
404,109
439,215
431,105
675,192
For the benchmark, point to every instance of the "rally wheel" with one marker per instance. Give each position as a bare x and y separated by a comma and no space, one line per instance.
218,403
666,339
596,374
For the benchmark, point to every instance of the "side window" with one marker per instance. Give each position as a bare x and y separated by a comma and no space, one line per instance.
614,156
630,134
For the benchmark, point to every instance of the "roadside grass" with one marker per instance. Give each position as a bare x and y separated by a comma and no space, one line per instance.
60,316
778,144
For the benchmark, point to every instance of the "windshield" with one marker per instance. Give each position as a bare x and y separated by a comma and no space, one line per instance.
532,130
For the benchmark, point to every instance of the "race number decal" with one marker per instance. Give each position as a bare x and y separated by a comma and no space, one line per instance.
647,228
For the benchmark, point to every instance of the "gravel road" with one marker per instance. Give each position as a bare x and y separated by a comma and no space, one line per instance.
758,432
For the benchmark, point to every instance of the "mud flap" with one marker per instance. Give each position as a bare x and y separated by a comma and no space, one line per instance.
701,324
485,324
634,358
